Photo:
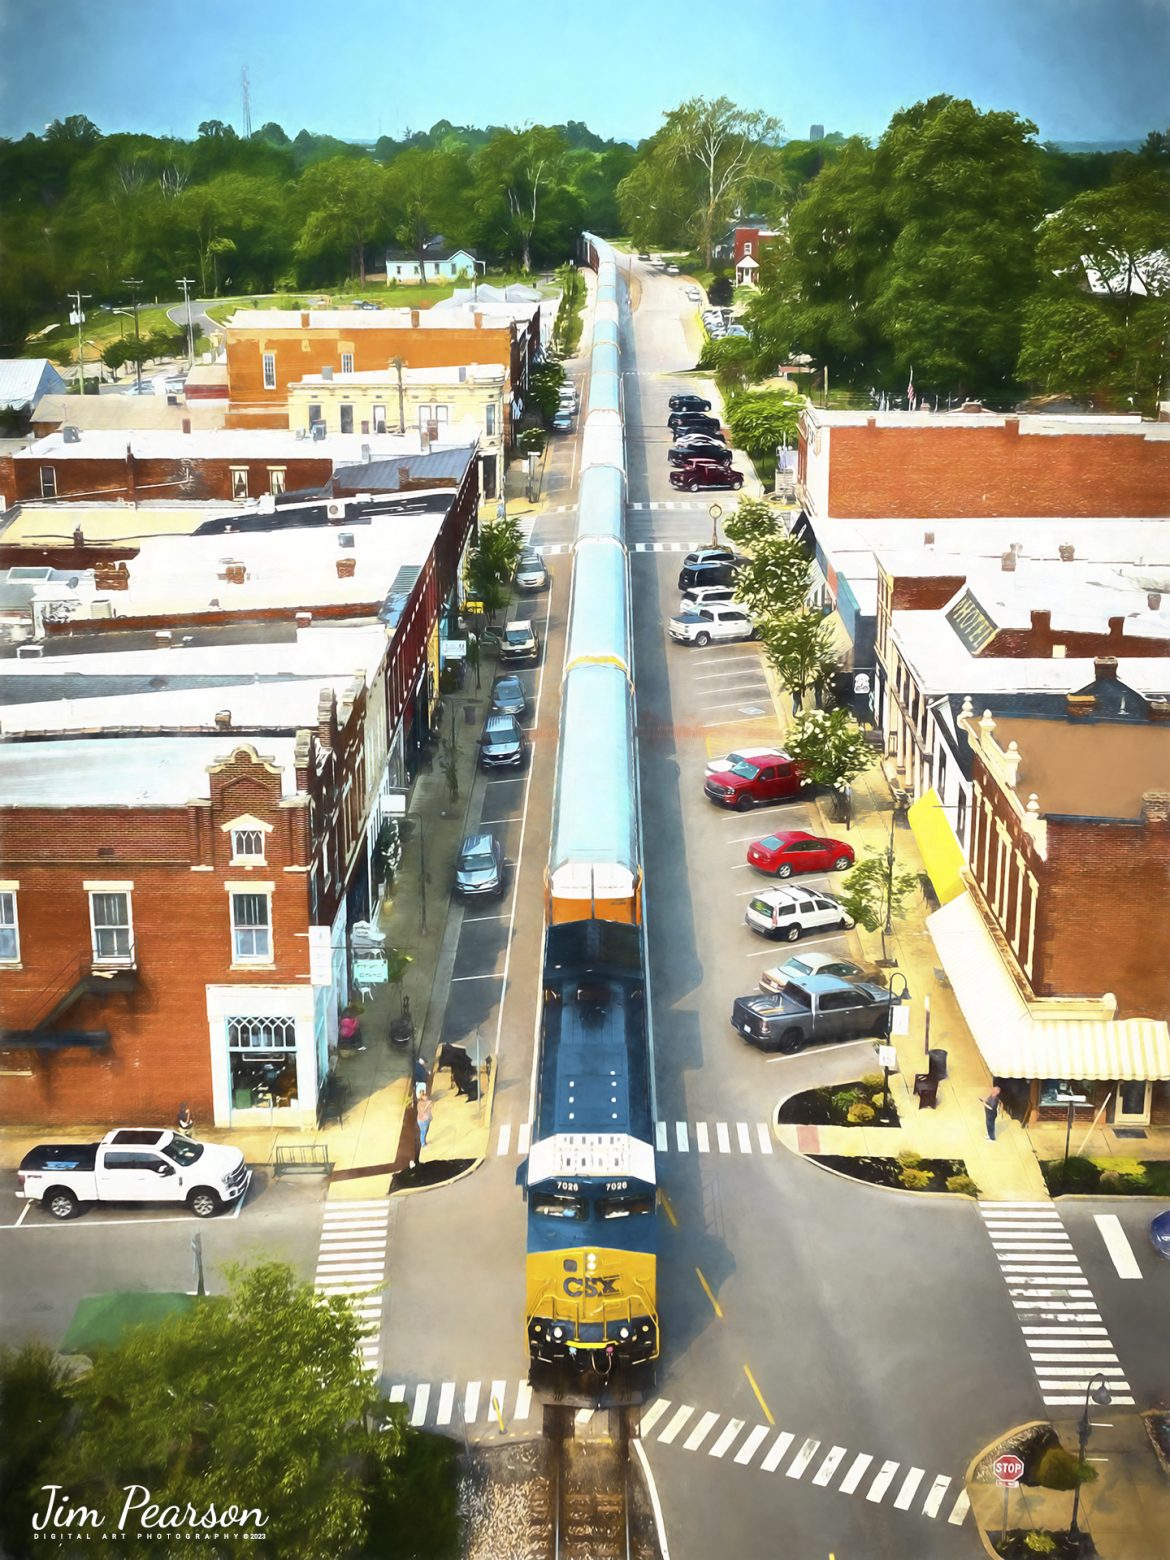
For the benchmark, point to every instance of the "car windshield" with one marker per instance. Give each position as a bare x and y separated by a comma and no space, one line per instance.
796,967
517,636
478,855
508,688
182,1150
744,771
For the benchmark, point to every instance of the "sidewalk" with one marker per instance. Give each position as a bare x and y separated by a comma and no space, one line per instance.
1006,1169
1125,1510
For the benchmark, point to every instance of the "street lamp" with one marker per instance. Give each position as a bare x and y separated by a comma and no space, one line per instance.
134,286
475,278
1102,1396
186,283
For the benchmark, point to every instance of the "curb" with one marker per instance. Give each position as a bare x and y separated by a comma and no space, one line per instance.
969,1479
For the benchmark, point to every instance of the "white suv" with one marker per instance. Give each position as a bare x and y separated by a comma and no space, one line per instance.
705,596
789,912
704,624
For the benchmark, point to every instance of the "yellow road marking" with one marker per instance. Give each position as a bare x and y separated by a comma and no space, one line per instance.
715,1306
666,1208
760,1401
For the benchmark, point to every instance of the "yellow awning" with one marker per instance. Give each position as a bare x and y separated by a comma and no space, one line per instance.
1016,1040
942,855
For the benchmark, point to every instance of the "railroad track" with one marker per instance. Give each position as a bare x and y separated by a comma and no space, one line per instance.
593,1505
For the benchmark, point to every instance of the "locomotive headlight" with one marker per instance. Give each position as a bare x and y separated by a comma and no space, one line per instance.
623,1332
558,1333
591,1261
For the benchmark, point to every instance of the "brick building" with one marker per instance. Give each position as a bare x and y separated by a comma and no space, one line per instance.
270,349
1059,949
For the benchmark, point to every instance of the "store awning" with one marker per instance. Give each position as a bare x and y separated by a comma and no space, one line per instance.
1015,1041
942,855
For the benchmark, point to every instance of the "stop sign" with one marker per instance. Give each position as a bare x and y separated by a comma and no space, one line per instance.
1009,1469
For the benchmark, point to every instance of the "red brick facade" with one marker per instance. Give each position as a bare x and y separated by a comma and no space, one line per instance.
143,481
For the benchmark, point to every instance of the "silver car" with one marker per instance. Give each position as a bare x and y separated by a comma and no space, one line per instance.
531,573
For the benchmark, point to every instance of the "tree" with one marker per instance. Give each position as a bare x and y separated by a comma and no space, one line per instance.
424,190
722,143
829,746
344,198
876,891
518,177
761,420
732,358
775,581
257,1398
34,1410
492,562
799,646
753,522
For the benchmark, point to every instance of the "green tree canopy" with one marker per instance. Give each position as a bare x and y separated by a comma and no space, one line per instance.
798,645
830,747
761,420
774,582
721,146
876,892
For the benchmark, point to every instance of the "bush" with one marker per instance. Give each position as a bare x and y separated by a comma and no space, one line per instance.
916,1180
844,1099
1038,1543
1078,1175
721,289
1158,1179
1120,1184
909,1159
1058,1469
962,1184
880,1100
873,1081
860,1114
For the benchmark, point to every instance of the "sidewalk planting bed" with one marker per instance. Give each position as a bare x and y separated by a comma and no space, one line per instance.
1110,1176
861,1104
908,1173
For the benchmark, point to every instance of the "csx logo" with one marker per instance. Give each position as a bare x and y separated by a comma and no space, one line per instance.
576,1287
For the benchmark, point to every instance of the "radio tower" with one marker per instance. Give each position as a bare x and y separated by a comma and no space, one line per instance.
246,96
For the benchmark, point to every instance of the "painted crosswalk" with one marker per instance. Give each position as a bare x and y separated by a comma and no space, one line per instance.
670,1137
1062,1328
686,1427
351,1261
655,505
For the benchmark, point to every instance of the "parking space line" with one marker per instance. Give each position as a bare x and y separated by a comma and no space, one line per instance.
523,1137
495,975
484,822
660,1136
503,916
504,1138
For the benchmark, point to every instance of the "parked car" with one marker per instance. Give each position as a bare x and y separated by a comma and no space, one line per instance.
736,330
791,850
563,422
672,270
693,422
685,402
802,965
789,912
133,1164
644,257
754,755
519,641
701,473
568,392
752,785
502,744
820,1011
699,446
1160,1233
707,574
531,573
479,867
710,555
694,294
508,697
705,596
700,627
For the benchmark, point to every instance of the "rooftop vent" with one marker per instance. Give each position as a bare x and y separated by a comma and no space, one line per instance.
1154,600
345,538
223,719
70,434
1067,552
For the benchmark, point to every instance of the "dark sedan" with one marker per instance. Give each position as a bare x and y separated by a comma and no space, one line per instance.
692,422
508,696
689,403
699,448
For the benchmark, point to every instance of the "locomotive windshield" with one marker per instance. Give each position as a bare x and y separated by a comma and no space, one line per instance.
624,1207
557,1207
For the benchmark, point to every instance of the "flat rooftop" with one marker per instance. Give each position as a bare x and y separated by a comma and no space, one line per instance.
342,449
1129,542
1038,424
493,316
1085,768
125,771
452,374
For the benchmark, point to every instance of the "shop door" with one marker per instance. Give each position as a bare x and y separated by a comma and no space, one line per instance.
1133,1104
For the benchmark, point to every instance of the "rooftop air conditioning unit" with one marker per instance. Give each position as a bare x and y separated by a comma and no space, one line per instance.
318,430
70,434
345,538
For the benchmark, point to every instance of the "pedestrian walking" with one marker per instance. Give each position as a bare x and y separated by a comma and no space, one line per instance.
186,1119
423,1111
991,1109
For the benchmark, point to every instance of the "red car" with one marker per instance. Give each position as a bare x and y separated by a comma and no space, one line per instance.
791,850
704,473
747,785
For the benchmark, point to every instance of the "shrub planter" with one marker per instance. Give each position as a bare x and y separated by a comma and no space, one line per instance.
836,1106
1114,1176
926,1175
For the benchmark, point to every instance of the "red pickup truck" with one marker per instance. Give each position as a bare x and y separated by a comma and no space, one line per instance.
747,785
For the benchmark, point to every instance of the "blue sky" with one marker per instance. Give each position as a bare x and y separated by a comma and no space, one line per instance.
1088,70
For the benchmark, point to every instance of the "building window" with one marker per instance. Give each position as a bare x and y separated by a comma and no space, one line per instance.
276,476
961,818
424,414
263,1057
489,419
397,270
941,775
112,931
747,249
9,930
239,481
247,845
345,413
379,414
314,414
269,370
347,362
48,482
251,929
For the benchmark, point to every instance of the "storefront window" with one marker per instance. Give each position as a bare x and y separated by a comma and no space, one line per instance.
1056,1091
263,1057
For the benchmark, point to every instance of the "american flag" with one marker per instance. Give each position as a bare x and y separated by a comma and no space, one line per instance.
910,391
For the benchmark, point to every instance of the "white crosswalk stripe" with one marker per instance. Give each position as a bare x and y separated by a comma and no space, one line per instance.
730,1434
748,1450
779,1446
701,1431
678,1137
351,1263
1059,1320
796,1468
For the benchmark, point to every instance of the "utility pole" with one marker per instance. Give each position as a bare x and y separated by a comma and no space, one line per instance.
134,286
186,283
75,298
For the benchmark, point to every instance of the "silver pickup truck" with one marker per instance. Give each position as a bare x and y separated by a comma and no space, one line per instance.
133,1164
817,1011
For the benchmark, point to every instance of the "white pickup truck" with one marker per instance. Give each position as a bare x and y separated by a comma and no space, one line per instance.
133,1164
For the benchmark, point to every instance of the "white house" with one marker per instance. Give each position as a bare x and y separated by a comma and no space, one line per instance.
442,261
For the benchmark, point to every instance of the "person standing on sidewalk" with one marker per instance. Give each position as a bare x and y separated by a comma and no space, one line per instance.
991,1109
423,1111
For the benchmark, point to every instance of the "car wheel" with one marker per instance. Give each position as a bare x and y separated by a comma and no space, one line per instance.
842,863
735,486
784,869
755,634
792,934
789,1042
690,486
203,1203
702,640
61,1203
742,803
844,923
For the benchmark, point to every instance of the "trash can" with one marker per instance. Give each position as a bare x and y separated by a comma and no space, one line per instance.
938,1064
926,1089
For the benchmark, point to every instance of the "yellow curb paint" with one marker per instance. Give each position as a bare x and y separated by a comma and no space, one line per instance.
759,1396
715,1306
666,1208
498,1413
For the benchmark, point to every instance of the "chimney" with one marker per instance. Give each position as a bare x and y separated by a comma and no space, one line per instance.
304,620
414,319
111,576
78,536
1080,705
163,636
346,568
1156,807
1007,561
304,319
223,720
326,710
1042,621
234,573
478,318
1153,599
1158,709
186,425
1105,668
1067,552
928,539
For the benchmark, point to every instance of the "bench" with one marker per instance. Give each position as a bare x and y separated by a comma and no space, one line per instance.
297,1157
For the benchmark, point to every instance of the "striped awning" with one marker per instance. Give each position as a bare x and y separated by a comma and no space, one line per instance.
1014,1041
